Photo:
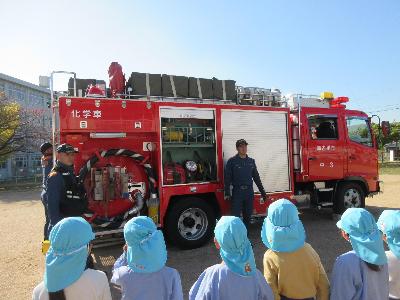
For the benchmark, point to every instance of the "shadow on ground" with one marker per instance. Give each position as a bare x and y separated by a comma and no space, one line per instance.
322,234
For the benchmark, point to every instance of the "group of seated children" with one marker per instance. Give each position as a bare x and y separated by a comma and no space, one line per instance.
292,268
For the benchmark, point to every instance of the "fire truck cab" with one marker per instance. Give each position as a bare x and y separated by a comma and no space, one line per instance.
337,163
164,156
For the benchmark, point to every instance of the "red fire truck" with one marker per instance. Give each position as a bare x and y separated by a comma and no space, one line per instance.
164,156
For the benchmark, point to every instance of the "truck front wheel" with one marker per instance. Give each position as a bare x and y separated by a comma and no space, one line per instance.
190,223
348,194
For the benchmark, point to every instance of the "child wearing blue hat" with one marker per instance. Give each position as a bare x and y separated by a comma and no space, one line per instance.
291,266
66,273
141,270
362,273
237,276
389,224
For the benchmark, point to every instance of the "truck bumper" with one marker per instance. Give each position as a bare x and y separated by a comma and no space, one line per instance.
379,188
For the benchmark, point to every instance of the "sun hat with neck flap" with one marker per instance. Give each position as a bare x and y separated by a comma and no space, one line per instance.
389,224
146,251
282,230
68,252
364,235
235,248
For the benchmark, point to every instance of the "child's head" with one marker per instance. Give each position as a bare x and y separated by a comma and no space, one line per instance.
359,227
282,229
68,252
234,246
389,224
146,251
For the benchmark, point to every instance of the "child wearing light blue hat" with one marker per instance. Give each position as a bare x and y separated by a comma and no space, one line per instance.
389,224
66,273
141,270
291,266
362,273
237,276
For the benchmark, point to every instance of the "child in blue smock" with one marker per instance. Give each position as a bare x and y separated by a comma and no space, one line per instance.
237,276
389,224
67,275
292,267
360,274
141,270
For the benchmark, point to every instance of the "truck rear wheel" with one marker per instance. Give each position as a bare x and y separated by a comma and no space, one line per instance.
349,194
190,223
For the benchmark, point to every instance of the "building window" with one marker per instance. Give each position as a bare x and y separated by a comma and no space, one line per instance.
10,94
36,161
16,94
323,127
359,130
21,162
37,100
21,95
3,165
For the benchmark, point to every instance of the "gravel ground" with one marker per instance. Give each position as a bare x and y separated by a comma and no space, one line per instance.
22,220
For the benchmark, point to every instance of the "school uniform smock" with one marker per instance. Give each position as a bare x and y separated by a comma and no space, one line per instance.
164,284
291,266
141,270
218,283
92,285
352,279
394,275
65,267
389,224
237,277
297,275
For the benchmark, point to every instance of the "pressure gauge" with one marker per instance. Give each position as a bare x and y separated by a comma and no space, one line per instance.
191,166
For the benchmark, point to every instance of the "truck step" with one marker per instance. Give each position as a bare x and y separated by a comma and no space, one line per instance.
107,238
325,190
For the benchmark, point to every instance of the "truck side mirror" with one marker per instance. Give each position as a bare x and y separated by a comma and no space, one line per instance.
385,125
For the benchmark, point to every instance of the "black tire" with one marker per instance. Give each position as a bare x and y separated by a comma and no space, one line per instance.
348,194
190,223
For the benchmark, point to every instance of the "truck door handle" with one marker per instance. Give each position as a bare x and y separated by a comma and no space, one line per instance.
352,156
312,158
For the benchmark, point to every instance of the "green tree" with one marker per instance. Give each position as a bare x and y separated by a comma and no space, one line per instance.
394,135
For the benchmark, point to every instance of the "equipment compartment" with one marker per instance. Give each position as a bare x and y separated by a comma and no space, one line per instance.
188,146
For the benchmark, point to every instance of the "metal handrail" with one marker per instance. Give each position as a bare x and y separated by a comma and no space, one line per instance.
199,134
54,107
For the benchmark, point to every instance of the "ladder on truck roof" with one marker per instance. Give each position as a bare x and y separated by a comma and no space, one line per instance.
258,96
245,96
173,99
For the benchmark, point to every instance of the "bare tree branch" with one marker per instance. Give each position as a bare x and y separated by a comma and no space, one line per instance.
20,128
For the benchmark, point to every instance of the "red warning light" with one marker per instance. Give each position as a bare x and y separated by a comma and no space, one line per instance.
338,102
94,91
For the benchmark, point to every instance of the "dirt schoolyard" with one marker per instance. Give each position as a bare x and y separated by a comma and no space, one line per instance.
22,220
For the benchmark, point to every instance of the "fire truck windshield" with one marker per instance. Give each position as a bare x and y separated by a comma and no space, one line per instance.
359,130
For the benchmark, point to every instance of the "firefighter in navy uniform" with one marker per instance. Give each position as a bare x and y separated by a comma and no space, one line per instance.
65,198
47,165
240,171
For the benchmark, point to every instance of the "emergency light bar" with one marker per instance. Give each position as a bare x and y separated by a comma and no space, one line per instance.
107,135
327,95
338,102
